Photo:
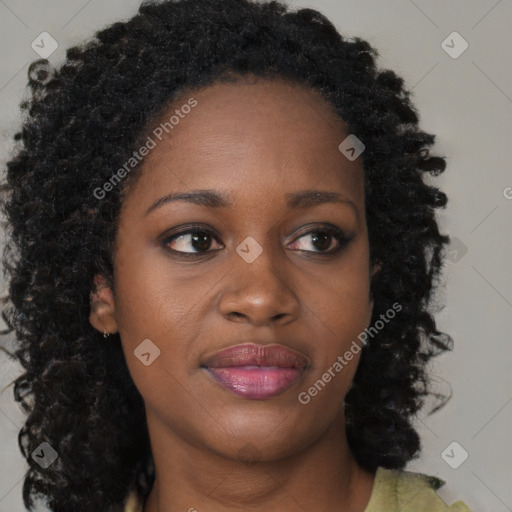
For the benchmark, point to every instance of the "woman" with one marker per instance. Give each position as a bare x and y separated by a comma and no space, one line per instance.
221,255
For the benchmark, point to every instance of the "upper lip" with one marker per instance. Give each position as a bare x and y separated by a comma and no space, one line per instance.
257,355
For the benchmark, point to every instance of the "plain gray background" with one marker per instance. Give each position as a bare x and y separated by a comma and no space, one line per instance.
466,100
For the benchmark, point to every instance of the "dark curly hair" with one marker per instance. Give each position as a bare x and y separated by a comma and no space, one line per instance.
85,118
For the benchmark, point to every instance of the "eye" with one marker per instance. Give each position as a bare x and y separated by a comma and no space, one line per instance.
196,241
200,240
324,239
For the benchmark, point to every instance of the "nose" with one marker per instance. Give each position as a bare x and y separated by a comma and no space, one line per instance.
259,293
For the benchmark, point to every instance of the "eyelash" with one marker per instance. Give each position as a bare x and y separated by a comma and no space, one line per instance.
339,235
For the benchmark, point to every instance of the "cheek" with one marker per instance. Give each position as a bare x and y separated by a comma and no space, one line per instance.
154,309
153,294
165,303
157,329
339,310
343,292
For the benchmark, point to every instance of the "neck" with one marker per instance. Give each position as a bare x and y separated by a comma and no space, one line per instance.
323,476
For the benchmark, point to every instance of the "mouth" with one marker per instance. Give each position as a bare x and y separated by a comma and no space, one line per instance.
257,372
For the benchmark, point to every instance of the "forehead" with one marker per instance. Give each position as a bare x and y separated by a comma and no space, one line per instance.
253,133
253,108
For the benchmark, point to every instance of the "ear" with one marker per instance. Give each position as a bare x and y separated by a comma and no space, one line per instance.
102,308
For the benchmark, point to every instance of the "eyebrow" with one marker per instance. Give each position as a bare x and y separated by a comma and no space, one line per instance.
213,199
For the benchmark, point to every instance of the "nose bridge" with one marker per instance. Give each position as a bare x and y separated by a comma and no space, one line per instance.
259,261
258,289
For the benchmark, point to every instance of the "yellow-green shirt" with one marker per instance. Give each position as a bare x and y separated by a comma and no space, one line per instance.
393,491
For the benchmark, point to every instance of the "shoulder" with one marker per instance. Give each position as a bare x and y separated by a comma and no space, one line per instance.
407,491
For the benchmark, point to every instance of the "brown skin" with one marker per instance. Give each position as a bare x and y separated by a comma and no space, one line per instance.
256,140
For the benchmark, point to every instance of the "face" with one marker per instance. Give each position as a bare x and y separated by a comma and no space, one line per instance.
257,260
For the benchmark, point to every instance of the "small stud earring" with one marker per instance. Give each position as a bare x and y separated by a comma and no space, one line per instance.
106,334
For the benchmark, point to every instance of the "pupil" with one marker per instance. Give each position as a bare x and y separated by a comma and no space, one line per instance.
201,239
322,239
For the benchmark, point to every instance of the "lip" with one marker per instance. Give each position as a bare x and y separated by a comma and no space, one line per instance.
256,371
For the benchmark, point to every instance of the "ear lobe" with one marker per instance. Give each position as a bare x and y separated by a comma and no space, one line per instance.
102,307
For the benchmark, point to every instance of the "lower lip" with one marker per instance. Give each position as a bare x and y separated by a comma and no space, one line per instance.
256,383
